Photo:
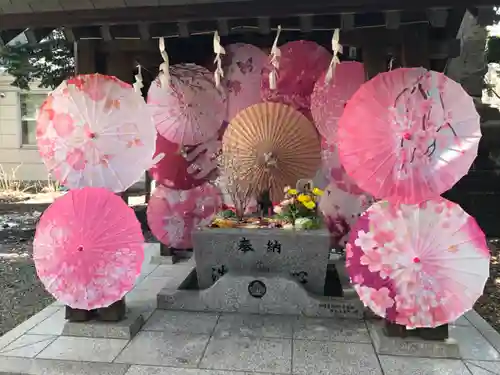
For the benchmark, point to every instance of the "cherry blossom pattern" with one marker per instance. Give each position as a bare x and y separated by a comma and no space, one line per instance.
174,214
94,130
408,267
408,135
191,110
329,99
302,63
88,248
341,211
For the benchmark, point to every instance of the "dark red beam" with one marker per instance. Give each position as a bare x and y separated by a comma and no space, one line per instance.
229,9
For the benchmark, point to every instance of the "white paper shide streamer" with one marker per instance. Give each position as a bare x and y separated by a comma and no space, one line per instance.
164,67
138,83
219,51
336,49
275,61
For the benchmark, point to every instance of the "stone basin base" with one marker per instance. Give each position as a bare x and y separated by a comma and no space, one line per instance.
255,293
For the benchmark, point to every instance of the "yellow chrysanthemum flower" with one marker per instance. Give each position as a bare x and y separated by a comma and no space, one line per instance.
304,198
318,192
292,192
309,205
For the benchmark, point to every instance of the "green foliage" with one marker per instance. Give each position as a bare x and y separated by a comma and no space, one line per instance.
51,61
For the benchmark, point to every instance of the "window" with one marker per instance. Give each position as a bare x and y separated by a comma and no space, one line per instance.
30,104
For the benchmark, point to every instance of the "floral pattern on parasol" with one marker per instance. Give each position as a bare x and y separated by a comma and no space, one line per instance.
95,130
418,265
301,64
185,168
341,211
409,135
243,64
174,214
88,248
328,100
334,171
191,110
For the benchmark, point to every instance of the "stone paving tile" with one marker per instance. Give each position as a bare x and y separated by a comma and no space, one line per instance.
422,366
483,368
241,353
182,321
53,325
473,345
165,271
478,321
142,300
331,330
164,349
270,326
328,358
15,365
151,370
493,338
27,346
152,284
25,326
83,349
461,322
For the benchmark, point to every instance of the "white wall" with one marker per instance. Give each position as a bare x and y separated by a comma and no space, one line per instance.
13,154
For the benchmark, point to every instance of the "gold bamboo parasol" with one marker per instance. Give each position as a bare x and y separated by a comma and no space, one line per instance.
274,145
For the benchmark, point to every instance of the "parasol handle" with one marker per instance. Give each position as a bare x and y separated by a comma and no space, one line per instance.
138,84
165,66
336,49
218,50
275,61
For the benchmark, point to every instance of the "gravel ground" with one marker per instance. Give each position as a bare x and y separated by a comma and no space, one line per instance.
22,295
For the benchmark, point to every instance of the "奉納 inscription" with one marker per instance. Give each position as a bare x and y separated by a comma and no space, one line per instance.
245,245
218,272
273,246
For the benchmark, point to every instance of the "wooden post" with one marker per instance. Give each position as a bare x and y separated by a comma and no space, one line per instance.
374,54
415,47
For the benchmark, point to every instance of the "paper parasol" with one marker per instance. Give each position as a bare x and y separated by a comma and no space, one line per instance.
272,146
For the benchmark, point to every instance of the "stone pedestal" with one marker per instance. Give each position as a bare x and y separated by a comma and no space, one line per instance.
301,255
255,294
411,345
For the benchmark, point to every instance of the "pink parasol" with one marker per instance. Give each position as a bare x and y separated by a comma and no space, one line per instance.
88,248
173,214
95,130
191,110
334,170
418,265
301,64
329,99
408,135
185,168
243,68
341,211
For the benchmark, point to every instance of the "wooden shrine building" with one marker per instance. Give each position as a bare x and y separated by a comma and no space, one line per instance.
115,36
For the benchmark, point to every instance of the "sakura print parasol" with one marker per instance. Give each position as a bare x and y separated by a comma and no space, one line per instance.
301,64
273,146
421,265
243,68
173,214
334,170
185,168
191,109
95,130
341,211
329,99
408,135
88,248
